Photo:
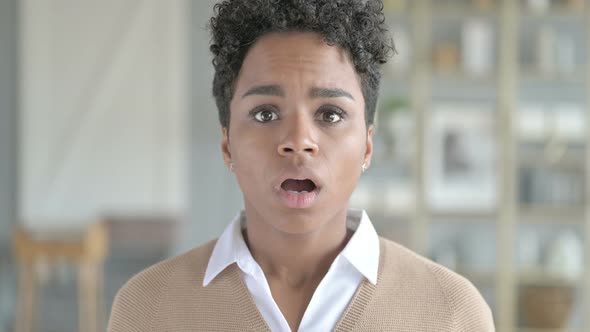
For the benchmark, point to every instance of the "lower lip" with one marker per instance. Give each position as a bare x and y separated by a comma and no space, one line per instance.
298,200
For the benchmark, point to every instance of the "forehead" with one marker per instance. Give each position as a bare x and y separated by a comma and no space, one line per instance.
305,57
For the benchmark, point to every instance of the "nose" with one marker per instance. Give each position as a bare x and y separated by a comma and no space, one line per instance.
299,138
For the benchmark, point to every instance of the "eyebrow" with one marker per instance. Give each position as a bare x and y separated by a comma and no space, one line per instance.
266,90
315,92
329,93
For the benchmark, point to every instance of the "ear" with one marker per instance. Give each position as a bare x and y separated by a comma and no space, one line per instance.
225,148
369,147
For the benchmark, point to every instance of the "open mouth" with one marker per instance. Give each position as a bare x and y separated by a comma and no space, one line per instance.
299,193
298,186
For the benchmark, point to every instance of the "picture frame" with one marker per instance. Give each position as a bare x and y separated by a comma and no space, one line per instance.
461,174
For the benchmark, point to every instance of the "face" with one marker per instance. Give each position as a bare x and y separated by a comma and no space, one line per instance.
297,136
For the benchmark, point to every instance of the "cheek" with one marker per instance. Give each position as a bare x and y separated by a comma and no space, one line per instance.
250,153
245,143
345,160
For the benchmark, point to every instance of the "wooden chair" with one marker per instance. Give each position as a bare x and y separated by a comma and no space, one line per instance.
86,249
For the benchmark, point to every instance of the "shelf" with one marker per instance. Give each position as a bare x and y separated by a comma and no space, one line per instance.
546,214
519,80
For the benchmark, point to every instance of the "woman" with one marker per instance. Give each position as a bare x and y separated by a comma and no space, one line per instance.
296,86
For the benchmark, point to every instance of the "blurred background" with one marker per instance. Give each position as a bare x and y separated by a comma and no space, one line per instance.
110,152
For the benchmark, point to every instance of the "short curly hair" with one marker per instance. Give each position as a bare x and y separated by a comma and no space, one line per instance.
358,26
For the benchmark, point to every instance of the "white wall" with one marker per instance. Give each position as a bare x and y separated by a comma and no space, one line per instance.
8,118
214,197
103,101
102,94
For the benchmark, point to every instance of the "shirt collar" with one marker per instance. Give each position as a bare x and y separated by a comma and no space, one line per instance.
230,247
361,251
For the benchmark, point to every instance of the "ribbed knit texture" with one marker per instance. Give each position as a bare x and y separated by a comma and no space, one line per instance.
412,294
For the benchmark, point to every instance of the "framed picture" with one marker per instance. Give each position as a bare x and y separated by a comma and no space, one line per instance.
461,158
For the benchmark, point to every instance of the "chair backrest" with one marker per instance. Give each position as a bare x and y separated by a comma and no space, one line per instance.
89,245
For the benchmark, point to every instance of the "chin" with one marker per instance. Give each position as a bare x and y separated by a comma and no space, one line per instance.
298,221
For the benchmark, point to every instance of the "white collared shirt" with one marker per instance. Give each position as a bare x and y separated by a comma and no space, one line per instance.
357,261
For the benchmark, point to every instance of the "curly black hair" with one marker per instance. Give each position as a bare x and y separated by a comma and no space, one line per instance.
358,26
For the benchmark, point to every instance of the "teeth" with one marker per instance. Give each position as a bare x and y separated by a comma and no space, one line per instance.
297,192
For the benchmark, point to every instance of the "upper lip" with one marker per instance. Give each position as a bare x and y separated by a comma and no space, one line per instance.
299,174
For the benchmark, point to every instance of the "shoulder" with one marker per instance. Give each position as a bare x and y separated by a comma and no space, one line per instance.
136,303
467,309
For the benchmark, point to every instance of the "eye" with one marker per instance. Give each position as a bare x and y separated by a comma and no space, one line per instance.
265,115
331,115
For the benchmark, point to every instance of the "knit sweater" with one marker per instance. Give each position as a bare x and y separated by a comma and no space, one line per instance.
412,294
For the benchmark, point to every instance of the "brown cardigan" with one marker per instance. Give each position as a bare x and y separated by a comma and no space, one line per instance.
412,294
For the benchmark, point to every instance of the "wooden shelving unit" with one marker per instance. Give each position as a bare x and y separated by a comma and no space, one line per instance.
423,86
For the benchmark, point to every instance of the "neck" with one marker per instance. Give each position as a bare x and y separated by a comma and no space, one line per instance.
295,260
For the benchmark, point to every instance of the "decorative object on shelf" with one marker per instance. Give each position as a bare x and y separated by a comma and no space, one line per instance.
477,47
461,176
546,306
446,57
539,6
567,126
483,4
540,124
555,149
532,122
570,122
565,256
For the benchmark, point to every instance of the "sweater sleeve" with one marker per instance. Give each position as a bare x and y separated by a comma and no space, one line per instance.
135,304
470,311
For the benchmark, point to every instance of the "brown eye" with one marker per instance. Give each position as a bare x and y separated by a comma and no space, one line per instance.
265,116
331,116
